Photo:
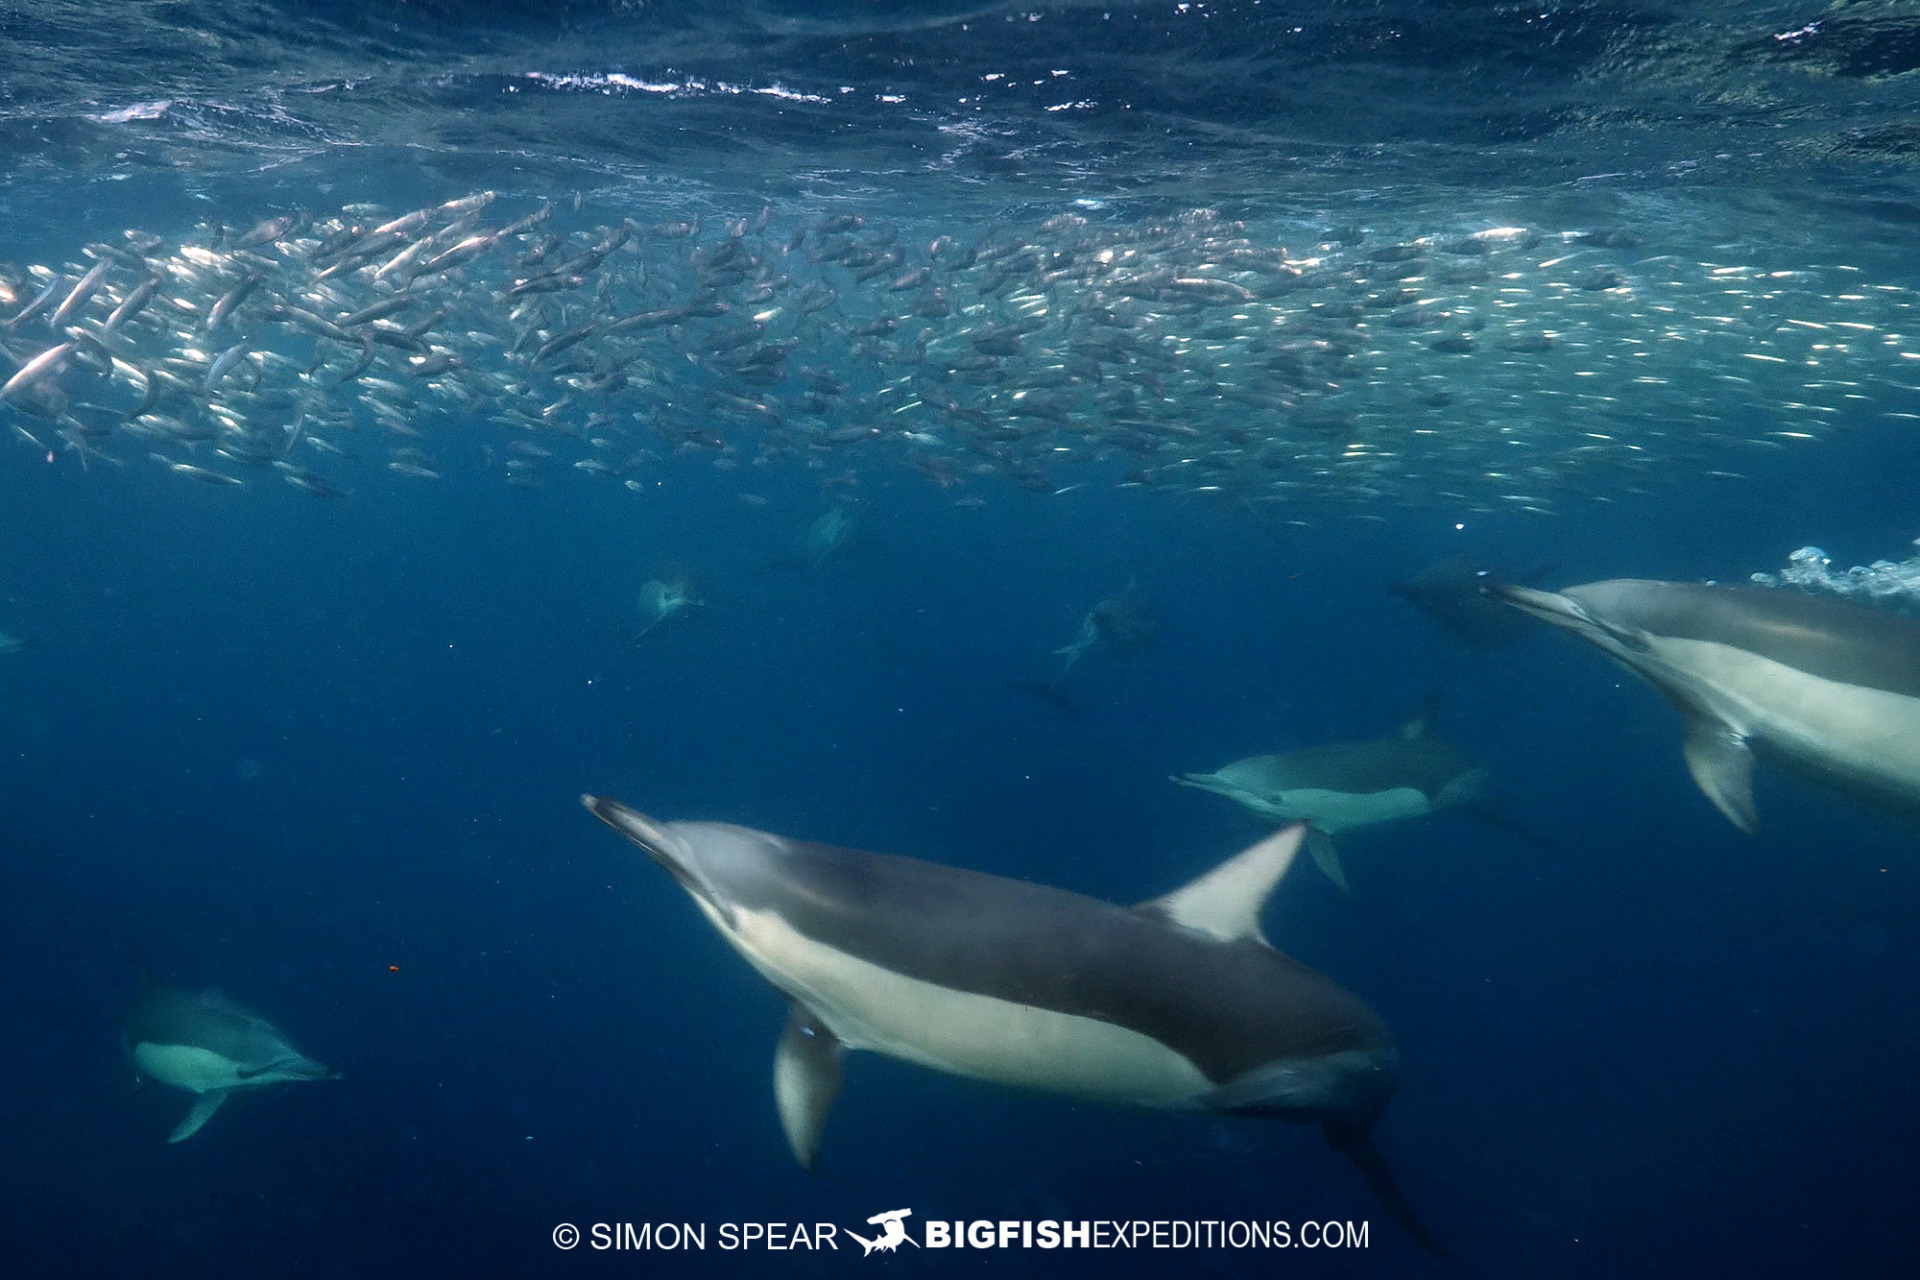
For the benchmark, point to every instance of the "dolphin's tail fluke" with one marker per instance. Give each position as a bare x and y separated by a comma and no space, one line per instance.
1490,814
1356,1143
1053,692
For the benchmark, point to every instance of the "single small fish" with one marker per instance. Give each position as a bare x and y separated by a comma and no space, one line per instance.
81,295
202,474
223,310
44,365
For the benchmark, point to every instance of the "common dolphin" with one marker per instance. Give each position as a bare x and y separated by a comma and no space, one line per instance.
1124,623
206,1044
11,644
663,599
1448,591
1824,688
1179,1003
830,534
1353,784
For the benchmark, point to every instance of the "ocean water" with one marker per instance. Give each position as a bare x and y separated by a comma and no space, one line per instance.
324,753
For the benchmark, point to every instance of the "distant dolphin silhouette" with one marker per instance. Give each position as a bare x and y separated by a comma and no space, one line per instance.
206,1044
1449,592
1353,784
1124,623
1052,692
663,599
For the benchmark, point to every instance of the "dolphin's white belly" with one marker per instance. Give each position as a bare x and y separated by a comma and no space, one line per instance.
1865,734
870,1007
185,1067
1337,811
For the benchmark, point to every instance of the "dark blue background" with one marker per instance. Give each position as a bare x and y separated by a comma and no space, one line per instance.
279,746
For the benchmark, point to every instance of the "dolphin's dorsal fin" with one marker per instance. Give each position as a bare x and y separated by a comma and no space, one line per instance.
1226,902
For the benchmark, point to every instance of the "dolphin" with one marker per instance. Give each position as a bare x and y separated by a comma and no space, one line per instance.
663,599
1821,687
1448,591
1179,1003
206,1044
11,644
1125,623
830,534
1353,784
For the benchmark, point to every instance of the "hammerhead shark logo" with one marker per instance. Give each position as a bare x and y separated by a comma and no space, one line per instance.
892,1234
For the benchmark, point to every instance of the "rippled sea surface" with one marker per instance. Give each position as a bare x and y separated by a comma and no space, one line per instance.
928,428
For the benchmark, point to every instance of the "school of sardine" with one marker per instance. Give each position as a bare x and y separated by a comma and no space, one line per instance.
1290,369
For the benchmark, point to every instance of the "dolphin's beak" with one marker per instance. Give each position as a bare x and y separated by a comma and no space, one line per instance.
1564,611
659,843
1548,606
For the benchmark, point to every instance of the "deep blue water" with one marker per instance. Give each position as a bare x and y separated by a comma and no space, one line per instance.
326,756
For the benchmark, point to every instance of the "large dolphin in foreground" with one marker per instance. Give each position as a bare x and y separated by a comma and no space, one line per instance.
1353,784
204,1043
1178,1003
1825,688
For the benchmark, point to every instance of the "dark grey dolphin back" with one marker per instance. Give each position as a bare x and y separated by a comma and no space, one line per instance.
1425,763
1228,1007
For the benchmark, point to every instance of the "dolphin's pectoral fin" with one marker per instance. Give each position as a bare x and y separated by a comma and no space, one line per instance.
1326,856
1723,766
806,1080
1470,787
1421,723
1225,903
1354,1142
202,1111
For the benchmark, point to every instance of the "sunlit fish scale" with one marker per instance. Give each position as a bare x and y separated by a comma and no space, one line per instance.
81,294
377,311
560,342
314,324
268,231
133,303
45,365
205,475
403,261
433,365
406,224
45,299
307,480
223,309
522,225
